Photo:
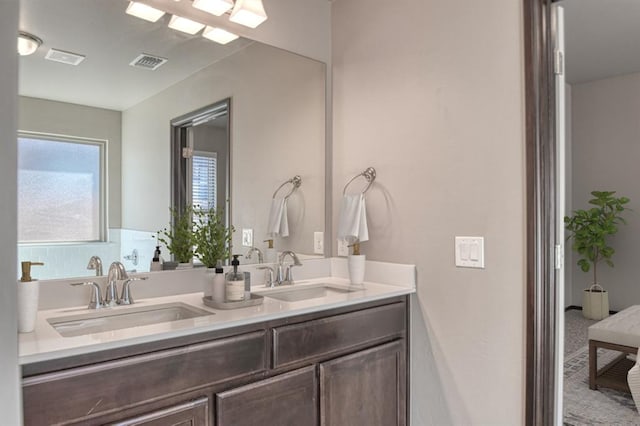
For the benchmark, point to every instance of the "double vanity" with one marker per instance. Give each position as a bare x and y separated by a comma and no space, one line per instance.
318,352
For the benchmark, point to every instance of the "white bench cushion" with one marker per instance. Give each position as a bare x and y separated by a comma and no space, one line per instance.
622,328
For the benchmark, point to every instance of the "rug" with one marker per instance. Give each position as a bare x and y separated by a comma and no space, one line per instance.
583,406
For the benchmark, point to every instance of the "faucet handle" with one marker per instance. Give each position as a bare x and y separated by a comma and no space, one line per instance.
288,277
126,298
270,282
96,296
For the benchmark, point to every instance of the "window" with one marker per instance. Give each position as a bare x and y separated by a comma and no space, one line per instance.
60,189
204,180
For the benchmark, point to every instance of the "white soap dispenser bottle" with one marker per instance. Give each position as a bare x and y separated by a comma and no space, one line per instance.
270,254
28,292
356,263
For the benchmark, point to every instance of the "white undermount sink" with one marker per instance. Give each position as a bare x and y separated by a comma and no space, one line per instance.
311,291
121,318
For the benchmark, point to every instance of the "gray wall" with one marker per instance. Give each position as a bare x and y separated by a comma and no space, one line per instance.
10,396
606,155
61,118
430,94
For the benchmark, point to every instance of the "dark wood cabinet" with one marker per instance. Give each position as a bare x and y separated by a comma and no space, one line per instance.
192,413
345,366
365,388
289,399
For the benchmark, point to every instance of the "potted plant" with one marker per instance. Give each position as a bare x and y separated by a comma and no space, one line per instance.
590,230
211,236
179,239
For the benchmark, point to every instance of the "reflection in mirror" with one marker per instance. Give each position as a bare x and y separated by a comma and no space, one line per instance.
276,125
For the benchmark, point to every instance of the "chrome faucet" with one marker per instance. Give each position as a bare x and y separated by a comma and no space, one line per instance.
116,272
95,263
270,281
126,298
257,250
96,301
284,275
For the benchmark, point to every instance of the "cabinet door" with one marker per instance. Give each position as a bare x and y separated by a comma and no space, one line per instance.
365,388
193,413
289,399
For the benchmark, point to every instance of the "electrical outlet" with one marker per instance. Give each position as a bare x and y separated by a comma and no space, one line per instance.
247,237
318,242
343,247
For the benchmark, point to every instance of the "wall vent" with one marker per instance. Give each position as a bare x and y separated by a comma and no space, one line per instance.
63,57
148,62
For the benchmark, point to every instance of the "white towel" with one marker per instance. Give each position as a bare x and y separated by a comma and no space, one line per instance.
352,222
278,223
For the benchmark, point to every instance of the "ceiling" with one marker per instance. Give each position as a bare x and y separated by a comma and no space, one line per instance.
110,40
602,38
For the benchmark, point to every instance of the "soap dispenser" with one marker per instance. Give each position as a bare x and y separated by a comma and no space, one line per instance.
28,291
356,263
234,287
270,254
156,265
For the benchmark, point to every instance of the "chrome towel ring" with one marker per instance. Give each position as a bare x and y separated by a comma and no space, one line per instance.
369,174
295,181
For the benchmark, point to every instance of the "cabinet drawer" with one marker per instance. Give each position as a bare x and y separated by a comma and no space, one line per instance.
192,413
287,399
333,335
87,391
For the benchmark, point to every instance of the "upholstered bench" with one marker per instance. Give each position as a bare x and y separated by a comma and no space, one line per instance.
619,332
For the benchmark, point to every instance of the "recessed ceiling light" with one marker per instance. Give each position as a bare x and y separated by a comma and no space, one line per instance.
185,25
214,7
27,43
142,11
249,13
219,35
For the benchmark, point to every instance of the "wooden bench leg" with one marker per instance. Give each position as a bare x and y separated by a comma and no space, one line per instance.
593,364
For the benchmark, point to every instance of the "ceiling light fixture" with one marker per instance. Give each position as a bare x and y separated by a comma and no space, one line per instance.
249,13
185,25
218,35
142,11
214,7
27,43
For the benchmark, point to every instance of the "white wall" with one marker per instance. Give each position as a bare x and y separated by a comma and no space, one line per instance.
606,149
430,94
61,118
277,131
9,391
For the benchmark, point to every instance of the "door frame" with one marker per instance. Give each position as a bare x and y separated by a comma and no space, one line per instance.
541,179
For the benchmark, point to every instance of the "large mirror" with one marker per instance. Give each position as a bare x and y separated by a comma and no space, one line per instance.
276,130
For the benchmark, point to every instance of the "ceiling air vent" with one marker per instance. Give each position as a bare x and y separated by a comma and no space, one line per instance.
64,57
148,62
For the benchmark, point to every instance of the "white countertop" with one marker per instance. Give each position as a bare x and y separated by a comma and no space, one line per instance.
45,343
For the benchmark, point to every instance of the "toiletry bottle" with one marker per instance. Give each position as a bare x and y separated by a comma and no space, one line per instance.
155,263
247,285
270,254
219,284
28,292
235,282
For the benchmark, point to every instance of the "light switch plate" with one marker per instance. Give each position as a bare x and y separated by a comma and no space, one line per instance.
318,242
469,252
247,237
343,247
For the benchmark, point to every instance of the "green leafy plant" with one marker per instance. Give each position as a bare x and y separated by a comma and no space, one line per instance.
179,238
590,229
212,238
